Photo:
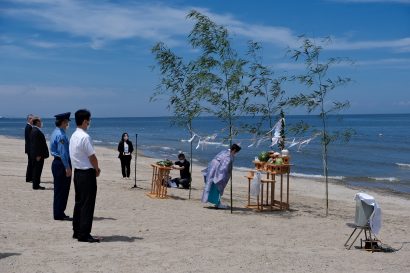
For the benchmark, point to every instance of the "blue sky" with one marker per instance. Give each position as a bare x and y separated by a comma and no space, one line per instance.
62,55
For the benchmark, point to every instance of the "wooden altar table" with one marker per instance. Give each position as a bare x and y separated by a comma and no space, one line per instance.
160,175
266,198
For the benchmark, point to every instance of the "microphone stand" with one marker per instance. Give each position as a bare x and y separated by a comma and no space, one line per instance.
135,162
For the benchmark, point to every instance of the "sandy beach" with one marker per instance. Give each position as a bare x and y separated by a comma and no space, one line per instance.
141,234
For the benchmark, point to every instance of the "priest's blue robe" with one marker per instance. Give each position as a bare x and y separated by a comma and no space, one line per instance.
216,177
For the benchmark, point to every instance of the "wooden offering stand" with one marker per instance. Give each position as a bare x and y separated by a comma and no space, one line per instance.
260,165
269,200
274,170
271,171
160,176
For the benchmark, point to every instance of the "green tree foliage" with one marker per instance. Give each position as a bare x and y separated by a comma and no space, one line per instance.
265,91
222,72
179,82
266,94
281,143
318,85
214,82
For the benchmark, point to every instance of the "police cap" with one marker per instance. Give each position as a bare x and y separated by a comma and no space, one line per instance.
63,116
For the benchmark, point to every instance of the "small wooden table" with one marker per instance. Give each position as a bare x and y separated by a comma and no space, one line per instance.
270,202
160,175
273,171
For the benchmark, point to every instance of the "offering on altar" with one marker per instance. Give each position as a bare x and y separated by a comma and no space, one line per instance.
278,161
261,160
259,165
165,163
265,160
264,156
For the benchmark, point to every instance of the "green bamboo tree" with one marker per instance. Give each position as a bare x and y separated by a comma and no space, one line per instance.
222,72
315,97
266,93
282,140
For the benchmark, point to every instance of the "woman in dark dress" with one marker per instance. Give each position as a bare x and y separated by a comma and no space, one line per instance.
125,150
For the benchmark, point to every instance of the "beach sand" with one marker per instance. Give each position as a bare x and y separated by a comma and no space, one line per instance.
141,234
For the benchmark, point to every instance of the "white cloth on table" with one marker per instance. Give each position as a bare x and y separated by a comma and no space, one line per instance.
256,184
375,220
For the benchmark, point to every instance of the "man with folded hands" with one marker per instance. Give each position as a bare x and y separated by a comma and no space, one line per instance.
86,171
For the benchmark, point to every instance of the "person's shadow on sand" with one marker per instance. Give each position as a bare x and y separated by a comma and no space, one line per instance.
96,218
5,255
247,211
48,189
119,238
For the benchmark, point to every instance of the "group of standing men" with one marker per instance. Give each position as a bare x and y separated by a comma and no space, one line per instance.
78,154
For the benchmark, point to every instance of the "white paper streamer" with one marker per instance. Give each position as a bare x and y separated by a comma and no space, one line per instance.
275,141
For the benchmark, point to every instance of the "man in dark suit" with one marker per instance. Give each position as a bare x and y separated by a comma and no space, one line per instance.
38,152
27,132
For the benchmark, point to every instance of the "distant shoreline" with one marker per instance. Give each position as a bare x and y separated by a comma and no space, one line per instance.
244,170
170,117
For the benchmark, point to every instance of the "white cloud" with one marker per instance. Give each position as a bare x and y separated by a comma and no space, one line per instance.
42,44
342,44
52,92
377,63
403,103
385,62
12,50
270,34
41,1
5,39
289,66
102,22
47,100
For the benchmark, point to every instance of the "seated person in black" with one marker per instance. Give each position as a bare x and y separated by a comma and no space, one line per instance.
183,166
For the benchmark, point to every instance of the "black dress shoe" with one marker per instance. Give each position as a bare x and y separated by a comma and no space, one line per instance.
89,239
39,188
65,218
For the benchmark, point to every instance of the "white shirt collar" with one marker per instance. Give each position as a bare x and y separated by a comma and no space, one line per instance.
81,129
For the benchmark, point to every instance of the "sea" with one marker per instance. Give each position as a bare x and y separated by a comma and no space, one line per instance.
377,155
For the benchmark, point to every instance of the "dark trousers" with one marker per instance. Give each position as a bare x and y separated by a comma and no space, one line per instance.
29,172
85,185
184,182
61,188
125,165
37,170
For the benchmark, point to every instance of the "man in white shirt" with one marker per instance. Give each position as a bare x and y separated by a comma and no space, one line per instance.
86,171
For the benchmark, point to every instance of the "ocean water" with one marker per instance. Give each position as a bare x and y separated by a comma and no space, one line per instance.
377,156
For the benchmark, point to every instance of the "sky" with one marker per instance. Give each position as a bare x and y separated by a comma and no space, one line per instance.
63,55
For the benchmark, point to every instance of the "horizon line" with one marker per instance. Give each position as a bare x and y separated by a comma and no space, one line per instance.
210,116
